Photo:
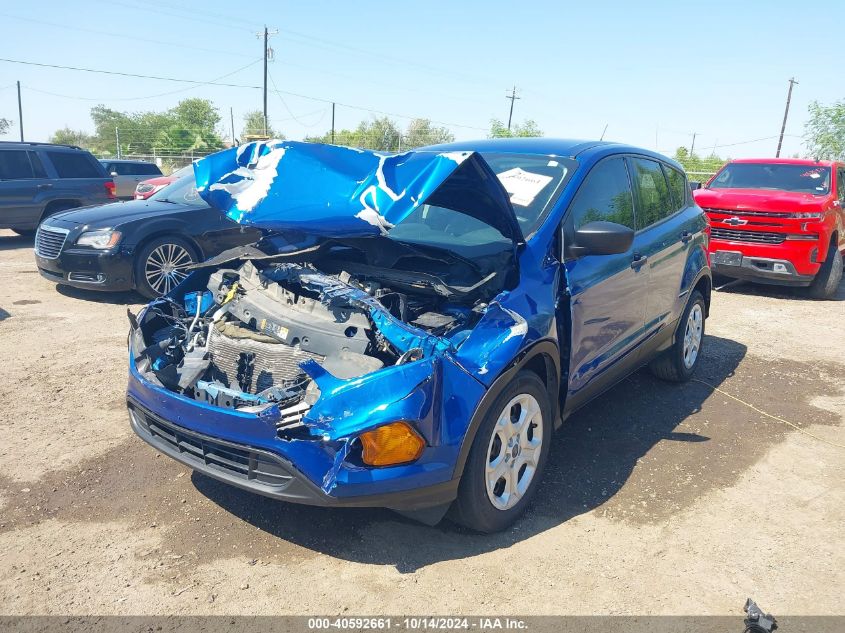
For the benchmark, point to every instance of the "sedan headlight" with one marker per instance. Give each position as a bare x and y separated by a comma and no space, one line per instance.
99,239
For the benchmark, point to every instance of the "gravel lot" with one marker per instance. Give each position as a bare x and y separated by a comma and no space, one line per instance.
659,500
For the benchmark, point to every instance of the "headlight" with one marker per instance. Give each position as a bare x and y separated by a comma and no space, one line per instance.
99,239
807,215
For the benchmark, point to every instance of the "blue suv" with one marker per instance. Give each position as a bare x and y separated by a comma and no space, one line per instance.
412,328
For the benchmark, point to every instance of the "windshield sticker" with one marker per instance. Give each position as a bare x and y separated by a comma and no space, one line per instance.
523,186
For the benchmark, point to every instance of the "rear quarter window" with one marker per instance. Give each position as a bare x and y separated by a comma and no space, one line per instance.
75,165
677,187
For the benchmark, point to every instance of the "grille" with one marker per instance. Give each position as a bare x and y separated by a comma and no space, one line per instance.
49,241
757,237
207,454
756,214
254,365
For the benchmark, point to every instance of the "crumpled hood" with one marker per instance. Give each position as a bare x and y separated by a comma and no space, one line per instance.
335,191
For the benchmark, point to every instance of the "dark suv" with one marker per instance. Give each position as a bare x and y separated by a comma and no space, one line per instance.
40,179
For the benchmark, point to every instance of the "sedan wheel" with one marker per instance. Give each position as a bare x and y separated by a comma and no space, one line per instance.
166,267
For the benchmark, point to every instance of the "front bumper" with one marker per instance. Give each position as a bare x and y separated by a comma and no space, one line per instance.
761,269
263,472
89,269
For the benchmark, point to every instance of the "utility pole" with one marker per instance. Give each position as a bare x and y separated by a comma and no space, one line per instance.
332,122
232,123
20,112
512,96
268,54
117,140
692,147
792,82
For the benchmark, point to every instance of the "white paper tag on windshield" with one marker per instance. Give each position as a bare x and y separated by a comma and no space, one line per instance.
523,186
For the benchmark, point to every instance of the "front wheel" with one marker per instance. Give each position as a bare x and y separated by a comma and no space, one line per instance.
827,280
678,363
507,457
162,265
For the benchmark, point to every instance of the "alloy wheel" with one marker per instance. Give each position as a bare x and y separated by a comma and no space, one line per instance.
166,267
692,335
514,451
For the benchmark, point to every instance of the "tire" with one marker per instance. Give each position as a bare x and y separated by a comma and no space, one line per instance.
827,280
160,255
678,363
492,507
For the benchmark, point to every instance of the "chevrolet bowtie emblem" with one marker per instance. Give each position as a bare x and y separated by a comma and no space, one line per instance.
735,221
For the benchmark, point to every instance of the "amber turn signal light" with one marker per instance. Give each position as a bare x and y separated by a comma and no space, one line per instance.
391,444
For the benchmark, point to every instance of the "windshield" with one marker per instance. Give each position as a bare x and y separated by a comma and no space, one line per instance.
783,177
533,183
182,191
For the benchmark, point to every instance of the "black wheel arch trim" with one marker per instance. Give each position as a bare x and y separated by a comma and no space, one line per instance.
547,349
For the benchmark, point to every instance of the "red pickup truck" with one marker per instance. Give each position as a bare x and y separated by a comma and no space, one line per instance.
778,221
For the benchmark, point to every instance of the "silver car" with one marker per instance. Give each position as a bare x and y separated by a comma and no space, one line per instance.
128,173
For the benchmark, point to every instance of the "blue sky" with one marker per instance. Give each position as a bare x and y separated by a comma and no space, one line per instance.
654,72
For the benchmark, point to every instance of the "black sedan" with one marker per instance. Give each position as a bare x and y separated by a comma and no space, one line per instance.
146,245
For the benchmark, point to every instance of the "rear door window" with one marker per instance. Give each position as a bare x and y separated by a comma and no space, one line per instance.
604,195
15,165
840,184
651,192
74,165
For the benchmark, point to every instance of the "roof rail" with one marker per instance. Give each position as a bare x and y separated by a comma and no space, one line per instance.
36,143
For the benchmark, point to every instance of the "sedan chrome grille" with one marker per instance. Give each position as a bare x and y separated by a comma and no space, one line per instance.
756,237
49,241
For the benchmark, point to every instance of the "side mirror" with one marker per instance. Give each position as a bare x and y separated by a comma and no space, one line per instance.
694,184
602,238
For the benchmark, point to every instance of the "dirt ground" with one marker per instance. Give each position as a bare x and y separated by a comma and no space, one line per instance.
660,499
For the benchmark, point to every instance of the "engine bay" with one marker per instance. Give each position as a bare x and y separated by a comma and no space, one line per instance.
242,342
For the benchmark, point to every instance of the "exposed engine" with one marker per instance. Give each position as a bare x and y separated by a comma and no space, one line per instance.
241,343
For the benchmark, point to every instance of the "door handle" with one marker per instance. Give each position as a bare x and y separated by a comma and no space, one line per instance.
638,261
44,185
686,236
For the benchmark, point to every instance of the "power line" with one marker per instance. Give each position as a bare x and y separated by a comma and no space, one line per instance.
160,94
122,74
231,85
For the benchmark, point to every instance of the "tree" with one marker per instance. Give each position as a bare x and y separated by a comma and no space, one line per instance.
697,167
67,136
189,126
824,132
383,134
422,132
527,128
5,124
254,125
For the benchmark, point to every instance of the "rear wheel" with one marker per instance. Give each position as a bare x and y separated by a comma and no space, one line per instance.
827,280
507,457
678,363
162,265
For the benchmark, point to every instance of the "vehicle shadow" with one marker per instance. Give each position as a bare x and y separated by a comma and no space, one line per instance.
739,286
127,297
591,460
12,241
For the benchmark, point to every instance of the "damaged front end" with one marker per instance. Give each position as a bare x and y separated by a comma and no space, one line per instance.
338,374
